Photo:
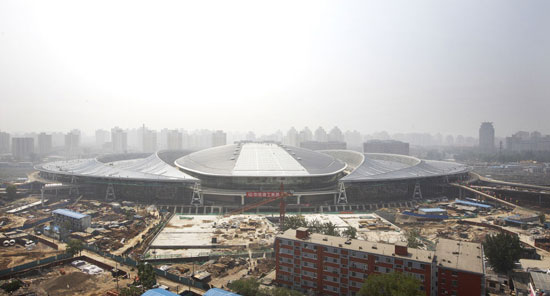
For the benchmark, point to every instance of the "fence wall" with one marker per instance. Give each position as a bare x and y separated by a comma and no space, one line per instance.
27,226
29,265
130,262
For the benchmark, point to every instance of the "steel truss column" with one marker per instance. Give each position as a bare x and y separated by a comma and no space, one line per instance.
417,193
110,194
73,190
196,199
342,196
42,195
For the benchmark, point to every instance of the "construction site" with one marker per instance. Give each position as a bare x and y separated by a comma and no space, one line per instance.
203,244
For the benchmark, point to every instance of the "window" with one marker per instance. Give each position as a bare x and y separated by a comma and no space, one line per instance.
309,255
309,273
455,283
285,251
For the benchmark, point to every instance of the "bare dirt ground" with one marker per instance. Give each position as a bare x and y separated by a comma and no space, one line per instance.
67,280
17,255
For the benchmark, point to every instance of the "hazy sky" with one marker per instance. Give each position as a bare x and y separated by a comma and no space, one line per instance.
400,66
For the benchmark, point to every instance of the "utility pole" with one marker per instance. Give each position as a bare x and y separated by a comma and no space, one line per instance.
282,206
116,275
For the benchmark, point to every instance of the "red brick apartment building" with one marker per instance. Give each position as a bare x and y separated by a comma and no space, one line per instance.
332,265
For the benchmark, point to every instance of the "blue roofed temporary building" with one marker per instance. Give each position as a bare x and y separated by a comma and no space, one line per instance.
158,292
473,204
76,221
219,292
432,211
426,216
69,213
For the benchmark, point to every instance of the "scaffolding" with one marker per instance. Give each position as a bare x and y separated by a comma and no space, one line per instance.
110,194
417,193
342,196
197,199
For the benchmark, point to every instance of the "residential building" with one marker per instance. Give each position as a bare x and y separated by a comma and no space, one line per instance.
174,140
149,140
119,139
460,268
292,137
386,146
336,135
4,142
72,142
22,148
305,135
487,137
329,265
320,135
523,141
75,221
219,138
44,143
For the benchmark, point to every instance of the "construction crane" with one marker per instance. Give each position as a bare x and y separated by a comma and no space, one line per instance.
282,205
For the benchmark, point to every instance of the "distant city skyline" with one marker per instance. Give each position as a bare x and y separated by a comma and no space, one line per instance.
312,129
168,138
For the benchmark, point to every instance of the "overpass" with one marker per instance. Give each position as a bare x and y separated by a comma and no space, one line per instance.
484,195
511,184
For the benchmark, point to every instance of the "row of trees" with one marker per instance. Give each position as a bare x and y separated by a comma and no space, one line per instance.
388,284
328,228
251,287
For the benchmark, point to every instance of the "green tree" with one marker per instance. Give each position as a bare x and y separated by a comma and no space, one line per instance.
294,222
330,229
74,247
542,218
245,287
11,191
391,284
65,230
147,276
315,226
251,287
131,291
278,291
12,286
502,251
350,232
412,238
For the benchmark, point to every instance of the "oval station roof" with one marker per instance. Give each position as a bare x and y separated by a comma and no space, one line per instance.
389,167
150,168
260,160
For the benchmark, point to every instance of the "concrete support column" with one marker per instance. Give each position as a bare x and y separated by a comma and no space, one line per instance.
298,198
242,200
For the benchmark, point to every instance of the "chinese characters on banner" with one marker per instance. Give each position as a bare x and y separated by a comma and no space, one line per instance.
263,194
